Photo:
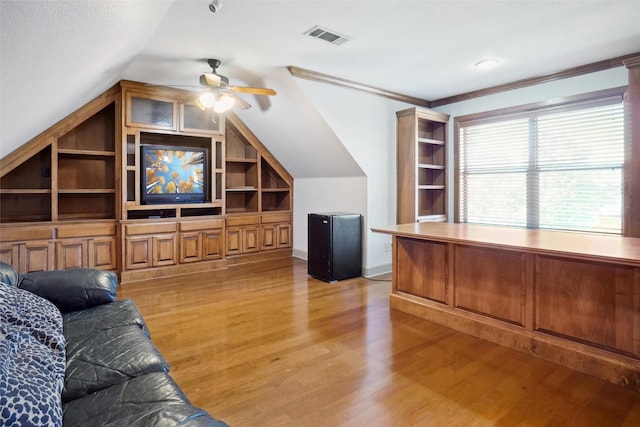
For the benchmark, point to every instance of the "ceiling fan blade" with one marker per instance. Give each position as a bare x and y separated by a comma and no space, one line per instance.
210,80
240,103
253,90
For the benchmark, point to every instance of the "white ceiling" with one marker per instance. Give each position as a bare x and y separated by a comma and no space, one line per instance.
57,55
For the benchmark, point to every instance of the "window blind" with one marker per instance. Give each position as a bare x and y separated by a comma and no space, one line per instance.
549,168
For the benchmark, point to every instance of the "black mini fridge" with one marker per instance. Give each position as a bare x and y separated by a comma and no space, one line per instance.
334,246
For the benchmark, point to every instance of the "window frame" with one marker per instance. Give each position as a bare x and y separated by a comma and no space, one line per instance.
558,105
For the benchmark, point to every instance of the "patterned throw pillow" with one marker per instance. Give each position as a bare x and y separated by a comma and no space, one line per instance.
32,359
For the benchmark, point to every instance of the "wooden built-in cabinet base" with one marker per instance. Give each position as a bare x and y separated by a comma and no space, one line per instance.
168,247
570,298
56,246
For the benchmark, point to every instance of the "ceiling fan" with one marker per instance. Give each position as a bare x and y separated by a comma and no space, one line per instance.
221,96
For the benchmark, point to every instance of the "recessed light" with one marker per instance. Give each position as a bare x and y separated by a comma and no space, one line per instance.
487,64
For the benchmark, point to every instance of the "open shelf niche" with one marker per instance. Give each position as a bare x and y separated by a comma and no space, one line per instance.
255,181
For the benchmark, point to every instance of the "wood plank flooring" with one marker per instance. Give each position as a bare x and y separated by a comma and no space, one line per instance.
265,345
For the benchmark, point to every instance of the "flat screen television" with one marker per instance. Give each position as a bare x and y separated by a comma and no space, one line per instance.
174,174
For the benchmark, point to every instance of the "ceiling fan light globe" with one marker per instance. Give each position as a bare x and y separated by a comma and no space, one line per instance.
224,103
207,99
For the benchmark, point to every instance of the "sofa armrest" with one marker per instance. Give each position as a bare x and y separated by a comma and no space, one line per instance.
73,289
9,275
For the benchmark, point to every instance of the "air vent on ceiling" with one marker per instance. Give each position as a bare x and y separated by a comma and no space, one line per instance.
327,35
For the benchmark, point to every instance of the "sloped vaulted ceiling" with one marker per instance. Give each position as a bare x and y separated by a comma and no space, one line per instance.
57,55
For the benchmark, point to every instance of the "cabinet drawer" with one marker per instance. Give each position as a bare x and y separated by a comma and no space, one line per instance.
201,225
242,220
273,218
26,233
150,228
87,229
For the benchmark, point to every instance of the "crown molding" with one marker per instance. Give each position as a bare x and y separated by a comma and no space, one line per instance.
545,78
337,81
630,61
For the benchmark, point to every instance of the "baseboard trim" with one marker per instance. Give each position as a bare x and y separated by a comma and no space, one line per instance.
376,271
298,253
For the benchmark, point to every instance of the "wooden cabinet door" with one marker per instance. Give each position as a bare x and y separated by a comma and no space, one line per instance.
10,254
212,244
284,235
233,240
269,238
36,256
242,240
72,253
138,253
103,253
190,247
275,236
165,250
250,239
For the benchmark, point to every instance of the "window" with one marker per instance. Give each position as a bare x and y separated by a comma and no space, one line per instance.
558,167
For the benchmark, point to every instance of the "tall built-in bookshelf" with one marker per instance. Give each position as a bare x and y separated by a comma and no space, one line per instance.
421,165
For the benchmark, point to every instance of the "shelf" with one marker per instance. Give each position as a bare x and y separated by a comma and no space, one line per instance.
76,216
25,191
86,153
430,187
133,206
432,218
430,166
275,190
430,141
240,160
201,211
239,210
242,189
86,191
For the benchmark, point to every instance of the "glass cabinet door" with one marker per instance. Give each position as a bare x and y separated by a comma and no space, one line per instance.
196,120
154,113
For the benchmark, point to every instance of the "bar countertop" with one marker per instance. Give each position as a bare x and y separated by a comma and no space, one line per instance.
582,245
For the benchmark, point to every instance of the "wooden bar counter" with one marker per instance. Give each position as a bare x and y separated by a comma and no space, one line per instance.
570,298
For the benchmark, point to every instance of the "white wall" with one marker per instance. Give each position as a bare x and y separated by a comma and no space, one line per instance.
366,125
319,195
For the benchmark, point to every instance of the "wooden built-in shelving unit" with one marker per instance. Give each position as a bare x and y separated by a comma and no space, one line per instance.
71,197
422,139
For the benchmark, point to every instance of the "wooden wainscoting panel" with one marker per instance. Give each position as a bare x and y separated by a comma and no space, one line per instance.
490,282
588,302
422,269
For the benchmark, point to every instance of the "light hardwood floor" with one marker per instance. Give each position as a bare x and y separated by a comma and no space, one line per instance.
266,345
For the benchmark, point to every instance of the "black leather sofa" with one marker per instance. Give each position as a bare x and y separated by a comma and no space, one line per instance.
108,369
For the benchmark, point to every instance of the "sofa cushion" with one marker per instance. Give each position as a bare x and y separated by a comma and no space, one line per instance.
73,289
32,359
149,400
106,316
108,357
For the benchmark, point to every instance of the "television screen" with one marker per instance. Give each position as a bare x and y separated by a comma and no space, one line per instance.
173,174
